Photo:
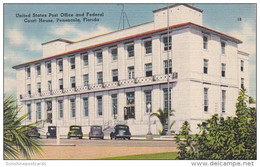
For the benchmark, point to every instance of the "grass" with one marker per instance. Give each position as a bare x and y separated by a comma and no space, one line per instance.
156,156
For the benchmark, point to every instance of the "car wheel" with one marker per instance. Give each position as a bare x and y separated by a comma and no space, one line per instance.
68,137
102,138
128,138
47,137
80,137
89,138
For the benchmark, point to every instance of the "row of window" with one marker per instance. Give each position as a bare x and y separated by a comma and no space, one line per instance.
206,100
205,44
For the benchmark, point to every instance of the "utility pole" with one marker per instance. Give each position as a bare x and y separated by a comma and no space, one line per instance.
123,16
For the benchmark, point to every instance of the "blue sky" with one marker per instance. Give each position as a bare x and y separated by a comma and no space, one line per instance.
22,41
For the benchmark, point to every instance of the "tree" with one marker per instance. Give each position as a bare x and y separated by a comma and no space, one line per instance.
251,100
162,115
231,138
17,143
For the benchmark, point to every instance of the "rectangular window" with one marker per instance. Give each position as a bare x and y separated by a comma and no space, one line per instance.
223,70
241,65
29,89
223,101
148,47
60,65
38,111
223,47
85,59
85,106
48,64
166,66
206,100
114,53
100,77
61,84
39,87
72,108
115,75
205,68
60,108
130,98
49,105
165,97
130,50
28,72
38,69
99,103
72,62
167,43
242,83
72,82
148,70
49,85
205,42
114,104
131,72
85,79
99,57
148,100
29,110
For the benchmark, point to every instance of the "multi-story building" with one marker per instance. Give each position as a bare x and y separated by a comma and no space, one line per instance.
111,78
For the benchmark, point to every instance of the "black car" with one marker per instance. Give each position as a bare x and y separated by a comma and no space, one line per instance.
75,131
120,131
96,132
33,132
52,132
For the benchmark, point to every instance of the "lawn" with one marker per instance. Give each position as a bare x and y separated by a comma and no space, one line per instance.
156,156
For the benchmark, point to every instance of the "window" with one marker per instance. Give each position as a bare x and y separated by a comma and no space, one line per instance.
72,62
29,110
49,85
99,57
100,77
241,65
166,66
115,75
205,68
130,98
223,101
99,103
114,53
205,42
28,72
38,111
38,69
72,82
130,50
131,72
114,104
85,80
49,105
60,108
148,100
165,97
85,106
85,59
61,84
29,89
242,83
39,87
148,70
223,70
48,64
206,101
72,108
223,46
167,43
60,65
148,47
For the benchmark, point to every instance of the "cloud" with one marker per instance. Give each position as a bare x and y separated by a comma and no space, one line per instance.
15,37
9,85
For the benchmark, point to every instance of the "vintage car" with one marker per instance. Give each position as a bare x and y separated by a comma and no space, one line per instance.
96,132
52,132
75,131
33,132
120,131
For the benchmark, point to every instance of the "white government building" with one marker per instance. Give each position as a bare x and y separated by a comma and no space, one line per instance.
110,79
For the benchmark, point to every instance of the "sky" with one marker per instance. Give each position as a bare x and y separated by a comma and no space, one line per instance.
22,41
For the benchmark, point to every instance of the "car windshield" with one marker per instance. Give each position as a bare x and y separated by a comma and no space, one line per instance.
96,128
122,127
75,128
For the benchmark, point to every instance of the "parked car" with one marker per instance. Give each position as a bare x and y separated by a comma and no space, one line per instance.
120,131
52,132
96,132
75,131
33,132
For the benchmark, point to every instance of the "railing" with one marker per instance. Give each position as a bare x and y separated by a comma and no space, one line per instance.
126,82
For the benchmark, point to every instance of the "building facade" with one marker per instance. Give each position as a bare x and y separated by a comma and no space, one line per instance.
111,78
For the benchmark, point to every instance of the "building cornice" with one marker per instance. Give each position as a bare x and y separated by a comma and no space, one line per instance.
175,5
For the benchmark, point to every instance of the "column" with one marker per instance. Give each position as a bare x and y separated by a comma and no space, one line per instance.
138,103
139,67
156,56
92,108
121,62
121,104
106,71
91,66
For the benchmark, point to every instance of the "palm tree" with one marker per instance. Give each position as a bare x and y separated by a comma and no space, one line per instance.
17,143
162,115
